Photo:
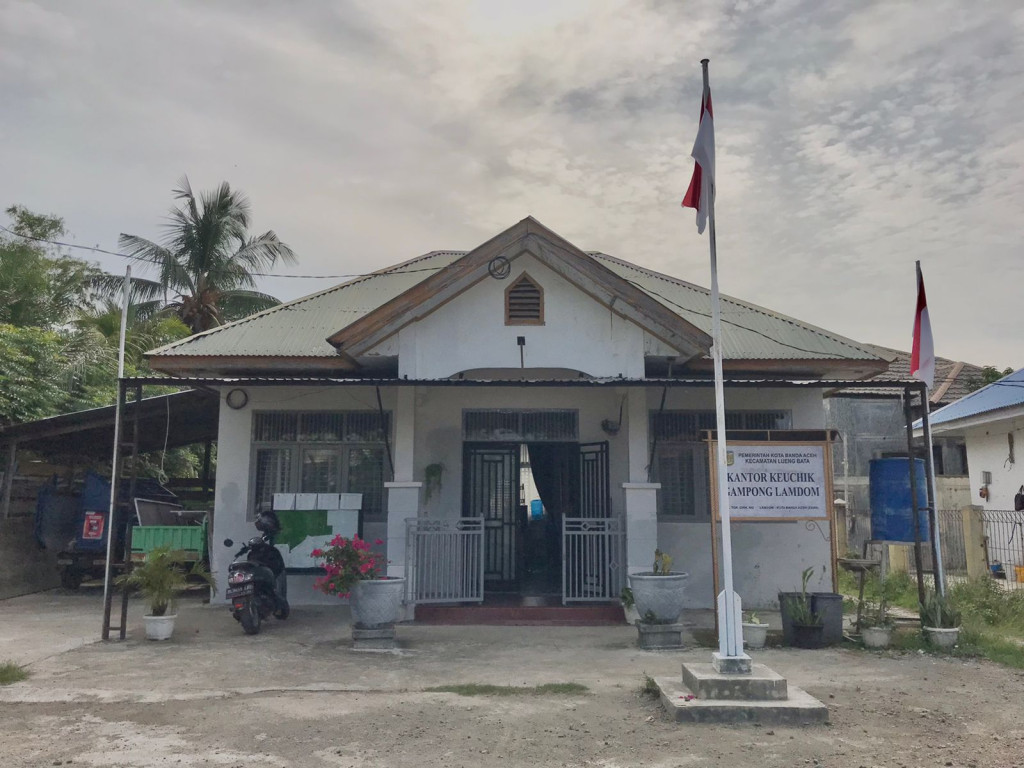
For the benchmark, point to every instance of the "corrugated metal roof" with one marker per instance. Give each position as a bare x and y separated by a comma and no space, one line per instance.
749,332
299,328
1008,392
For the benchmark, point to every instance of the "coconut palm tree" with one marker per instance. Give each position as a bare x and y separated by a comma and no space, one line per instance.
208,262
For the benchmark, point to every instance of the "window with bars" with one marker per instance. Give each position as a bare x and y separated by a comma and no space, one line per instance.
320,452
535,426
524,302
681,459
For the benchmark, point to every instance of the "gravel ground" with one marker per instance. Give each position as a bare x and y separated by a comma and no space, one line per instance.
297,695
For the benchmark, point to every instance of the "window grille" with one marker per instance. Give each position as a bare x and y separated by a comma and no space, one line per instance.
681,458
320,452
524,303
535,426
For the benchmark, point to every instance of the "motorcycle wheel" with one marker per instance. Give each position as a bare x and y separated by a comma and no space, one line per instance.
283,610
250,618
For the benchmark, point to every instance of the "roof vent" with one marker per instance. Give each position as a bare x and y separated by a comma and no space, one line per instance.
524,302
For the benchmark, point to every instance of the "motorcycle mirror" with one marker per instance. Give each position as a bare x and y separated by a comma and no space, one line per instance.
228,543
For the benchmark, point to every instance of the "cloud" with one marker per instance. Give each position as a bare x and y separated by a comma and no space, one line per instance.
853,139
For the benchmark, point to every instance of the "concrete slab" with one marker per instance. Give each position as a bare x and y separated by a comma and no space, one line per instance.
799,709
656,637
762,684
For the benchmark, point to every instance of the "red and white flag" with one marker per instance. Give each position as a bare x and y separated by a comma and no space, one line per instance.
702,185
922,358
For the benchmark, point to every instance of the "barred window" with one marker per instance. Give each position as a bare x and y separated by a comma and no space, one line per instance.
535,426
681,459
321,452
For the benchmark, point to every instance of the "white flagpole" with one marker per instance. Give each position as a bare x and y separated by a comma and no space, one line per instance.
117,429
730,641
940,569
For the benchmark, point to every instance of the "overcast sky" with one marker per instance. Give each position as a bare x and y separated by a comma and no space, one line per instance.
853,138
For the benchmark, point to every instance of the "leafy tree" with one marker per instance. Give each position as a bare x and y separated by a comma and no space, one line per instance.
32,382
39,286
207,260
989,374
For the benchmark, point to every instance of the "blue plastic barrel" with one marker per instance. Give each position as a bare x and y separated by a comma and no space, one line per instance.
891,517
536,509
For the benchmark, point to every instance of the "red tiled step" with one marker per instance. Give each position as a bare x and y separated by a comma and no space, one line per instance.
540,615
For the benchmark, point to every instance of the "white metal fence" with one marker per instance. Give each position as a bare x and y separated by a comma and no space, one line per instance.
444,560
593,559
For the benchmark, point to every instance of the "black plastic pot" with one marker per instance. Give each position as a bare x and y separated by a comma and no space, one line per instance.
808,636
828,606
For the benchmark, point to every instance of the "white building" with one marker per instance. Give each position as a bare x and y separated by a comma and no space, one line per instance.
423,385
991,423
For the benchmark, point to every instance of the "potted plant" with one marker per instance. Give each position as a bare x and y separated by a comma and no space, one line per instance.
876,627
353,570
808,628
940,621
755,632
161,577
658,593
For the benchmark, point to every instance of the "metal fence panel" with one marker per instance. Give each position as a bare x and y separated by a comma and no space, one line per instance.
444,560
1004,536
593,559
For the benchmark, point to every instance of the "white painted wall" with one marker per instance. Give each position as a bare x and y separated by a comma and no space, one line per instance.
234,451
469,332
768,557
988,450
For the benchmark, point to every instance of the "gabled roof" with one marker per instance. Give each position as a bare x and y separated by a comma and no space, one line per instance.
293,335
561,256
1001,398
953,378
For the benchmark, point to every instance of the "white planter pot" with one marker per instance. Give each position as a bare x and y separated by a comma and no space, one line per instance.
876,637
659,595
942,637
754,635
159,627
377,603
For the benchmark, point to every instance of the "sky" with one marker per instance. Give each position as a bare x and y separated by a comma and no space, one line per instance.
852,139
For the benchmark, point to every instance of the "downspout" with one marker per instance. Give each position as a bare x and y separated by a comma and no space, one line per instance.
654,439
387,432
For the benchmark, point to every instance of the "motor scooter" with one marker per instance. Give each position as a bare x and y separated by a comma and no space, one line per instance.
257,584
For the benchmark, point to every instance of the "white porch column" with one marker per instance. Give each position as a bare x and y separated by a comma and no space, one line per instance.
641,495
403,493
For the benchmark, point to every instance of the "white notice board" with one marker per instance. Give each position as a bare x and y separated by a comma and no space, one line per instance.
775,481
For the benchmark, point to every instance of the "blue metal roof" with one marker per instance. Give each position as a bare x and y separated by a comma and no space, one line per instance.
1005,393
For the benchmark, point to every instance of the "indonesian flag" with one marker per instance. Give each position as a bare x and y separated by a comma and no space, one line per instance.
702,185
922,358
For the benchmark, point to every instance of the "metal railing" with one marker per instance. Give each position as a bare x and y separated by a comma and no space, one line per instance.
1004,537
593,559
444,560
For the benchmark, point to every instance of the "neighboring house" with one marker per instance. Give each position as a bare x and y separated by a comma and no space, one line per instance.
423,387
991,423
871,425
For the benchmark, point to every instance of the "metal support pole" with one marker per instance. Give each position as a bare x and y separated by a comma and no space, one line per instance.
912,470
12,466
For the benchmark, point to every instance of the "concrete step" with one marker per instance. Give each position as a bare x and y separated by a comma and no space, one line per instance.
800,708
762,684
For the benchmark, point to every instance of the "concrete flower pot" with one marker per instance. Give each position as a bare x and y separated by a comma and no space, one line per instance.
942,637
159,627
657,595
377,603
754,635
876,637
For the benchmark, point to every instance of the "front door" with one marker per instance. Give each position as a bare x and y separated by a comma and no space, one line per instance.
491,491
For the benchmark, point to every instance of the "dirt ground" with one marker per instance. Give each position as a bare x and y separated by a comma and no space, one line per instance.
298,695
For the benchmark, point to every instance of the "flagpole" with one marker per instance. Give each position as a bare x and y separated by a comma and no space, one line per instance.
730,642
940,570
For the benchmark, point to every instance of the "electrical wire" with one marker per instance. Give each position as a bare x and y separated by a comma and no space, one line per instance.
816,353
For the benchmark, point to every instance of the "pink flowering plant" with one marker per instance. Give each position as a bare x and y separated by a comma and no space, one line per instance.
346,561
